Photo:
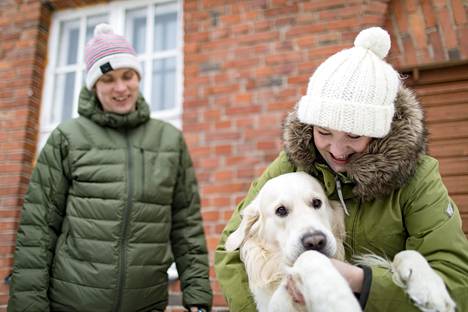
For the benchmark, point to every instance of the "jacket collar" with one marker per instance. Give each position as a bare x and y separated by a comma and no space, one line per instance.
90,107
388,163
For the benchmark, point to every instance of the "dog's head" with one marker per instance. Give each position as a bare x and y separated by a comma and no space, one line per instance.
291,213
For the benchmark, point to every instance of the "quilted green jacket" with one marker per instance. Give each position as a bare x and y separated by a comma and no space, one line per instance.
112,201
395,198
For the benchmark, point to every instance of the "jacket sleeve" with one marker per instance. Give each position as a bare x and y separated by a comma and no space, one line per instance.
40,224
434,229
187,236
230,270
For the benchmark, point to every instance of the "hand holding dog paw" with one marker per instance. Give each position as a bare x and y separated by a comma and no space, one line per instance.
354,275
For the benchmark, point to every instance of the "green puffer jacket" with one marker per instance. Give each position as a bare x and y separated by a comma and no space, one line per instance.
112,200
395,198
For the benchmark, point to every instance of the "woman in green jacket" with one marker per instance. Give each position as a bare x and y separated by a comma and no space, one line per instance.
113,200
361,133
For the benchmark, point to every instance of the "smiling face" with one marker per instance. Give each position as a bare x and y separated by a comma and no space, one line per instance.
118,90
337,147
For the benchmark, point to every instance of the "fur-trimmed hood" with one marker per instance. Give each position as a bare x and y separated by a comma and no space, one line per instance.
387,164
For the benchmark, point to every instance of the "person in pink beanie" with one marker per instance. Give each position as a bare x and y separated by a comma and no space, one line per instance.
112,202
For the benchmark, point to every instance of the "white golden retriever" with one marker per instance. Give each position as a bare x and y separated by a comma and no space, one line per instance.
289,232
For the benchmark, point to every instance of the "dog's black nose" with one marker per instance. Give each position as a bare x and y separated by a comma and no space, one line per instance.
314,241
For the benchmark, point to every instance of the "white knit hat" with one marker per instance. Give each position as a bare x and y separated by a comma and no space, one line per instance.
107,51
354,90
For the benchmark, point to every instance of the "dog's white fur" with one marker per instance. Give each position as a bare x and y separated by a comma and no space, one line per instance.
289,232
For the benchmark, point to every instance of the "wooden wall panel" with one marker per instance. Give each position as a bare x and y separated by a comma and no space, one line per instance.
443,92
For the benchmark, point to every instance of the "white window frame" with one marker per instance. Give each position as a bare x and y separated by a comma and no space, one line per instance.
116,11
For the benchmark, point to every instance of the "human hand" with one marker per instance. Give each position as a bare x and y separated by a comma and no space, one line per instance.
354,275
295,293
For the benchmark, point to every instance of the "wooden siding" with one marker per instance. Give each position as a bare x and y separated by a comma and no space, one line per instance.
443,92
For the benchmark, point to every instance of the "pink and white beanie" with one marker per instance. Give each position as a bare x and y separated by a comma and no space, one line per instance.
107,51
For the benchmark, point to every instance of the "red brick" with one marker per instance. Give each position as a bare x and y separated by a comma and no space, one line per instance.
226,124
439,3
304,30
448,32
399,11
463,33
208,216
418,27
208,163
223,149
7,225
230,19
291,57
218,300
460,12
222,200
322,5
409,51
437,47
428,13
283,10
243,110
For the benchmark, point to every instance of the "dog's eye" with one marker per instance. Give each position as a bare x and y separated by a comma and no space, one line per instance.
281,211
316,203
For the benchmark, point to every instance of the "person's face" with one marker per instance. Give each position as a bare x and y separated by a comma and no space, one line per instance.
117,90
337,147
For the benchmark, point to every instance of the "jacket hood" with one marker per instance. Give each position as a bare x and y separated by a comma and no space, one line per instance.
388,162
90,107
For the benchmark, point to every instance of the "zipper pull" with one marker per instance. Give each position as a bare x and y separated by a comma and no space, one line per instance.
340,195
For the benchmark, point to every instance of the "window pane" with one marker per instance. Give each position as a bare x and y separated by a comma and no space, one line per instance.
63,97
91,23
164,84
68,47
136,29
165,30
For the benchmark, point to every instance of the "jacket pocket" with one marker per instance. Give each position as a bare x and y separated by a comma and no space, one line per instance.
158,176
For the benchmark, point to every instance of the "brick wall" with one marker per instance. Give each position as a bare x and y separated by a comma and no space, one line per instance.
22,59
428,32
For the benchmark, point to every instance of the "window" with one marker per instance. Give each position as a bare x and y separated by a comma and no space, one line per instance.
154,27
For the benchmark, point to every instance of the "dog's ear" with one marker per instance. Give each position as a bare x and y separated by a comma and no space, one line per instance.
249,216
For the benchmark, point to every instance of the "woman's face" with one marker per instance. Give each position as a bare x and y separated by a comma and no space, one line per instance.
118,90
337,147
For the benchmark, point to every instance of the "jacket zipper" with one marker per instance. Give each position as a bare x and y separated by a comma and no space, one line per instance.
142,173
353,230
124,230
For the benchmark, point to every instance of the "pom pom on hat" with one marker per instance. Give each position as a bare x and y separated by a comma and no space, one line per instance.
103,29
354,90
374,39
108,51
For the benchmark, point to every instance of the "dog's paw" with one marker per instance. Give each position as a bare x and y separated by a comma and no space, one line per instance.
426,289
